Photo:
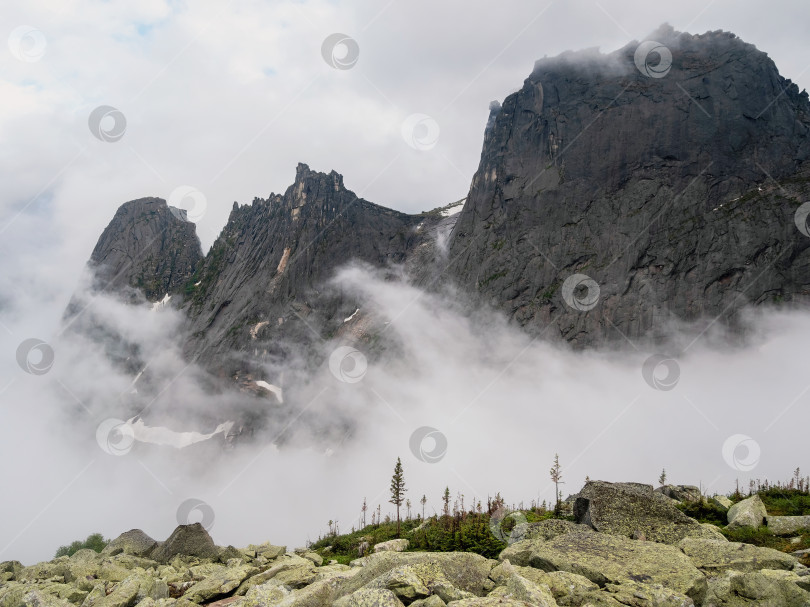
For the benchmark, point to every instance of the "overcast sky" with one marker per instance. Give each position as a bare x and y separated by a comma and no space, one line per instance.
227,97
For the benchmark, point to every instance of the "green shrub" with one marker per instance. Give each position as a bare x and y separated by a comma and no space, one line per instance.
704,512
94,541
785,502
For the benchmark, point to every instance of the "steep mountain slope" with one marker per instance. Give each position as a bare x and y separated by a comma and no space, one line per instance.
263,286
147,246
673,192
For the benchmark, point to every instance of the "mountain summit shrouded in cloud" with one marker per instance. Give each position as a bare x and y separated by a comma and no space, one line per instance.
626,276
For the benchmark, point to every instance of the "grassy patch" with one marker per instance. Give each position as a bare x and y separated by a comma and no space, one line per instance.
704,512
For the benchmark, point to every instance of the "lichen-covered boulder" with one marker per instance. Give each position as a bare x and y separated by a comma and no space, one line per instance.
647,595
138,586
738,589
392,545
370,597
604,558
267,550
548,529
515,586
283,563
681,493
313,557
721,501
186,540
134,542
634,510
463,570
220,583
749,512
713,556
419,580
787,525
490,601
265,594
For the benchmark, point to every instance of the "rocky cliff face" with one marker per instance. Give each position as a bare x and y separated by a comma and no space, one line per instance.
147,246
266,275
674,193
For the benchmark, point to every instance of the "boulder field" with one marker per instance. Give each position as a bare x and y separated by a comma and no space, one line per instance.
630,547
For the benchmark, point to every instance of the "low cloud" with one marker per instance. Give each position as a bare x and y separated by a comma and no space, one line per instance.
465,399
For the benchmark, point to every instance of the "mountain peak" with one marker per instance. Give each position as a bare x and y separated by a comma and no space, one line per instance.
148,245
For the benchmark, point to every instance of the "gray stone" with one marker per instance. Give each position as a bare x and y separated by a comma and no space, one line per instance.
187,540
370,597
219,584
464,570
392,545
604,558
714,556
134,542
787,525
749,512
721,501
681,493
634,510
736,589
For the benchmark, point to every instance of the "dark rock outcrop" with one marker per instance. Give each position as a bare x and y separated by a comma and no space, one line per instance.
635,510
266,275
147,246
187,540
134,542
676,195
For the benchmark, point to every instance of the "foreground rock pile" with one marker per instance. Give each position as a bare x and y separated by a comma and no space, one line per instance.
631,548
